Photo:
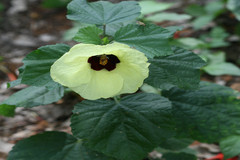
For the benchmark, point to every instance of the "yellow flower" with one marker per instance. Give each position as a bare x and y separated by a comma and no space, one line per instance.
96,71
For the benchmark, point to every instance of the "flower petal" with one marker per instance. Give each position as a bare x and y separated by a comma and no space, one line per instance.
133,68
71,73
88,50
103,84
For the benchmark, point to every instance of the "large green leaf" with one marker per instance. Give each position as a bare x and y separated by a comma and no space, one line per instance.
175,143
102,13
90,35
179,156
234,6
35,96
230,146
53,146
208,114
7,110
38,63
180,69
150,39
128,129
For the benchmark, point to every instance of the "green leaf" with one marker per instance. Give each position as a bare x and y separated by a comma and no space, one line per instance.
175,144
218,66
7,110
70,33
150,6
35,96
102,13
208,114
166,16
216,38
181,69
179,156
150,39
214,58
223,68
89,35
53,146
214,7
190,43
38,63
202,21
230,146
128,129
195,10
234,6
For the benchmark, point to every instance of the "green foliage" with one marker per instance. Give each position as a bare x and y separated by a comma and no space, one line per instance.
131,126
230,146
189,43
202,21
175,143
113,127
150,39
217,64
208,114
216,38
89,35
179,156
167,16
55,146
195,10
223,68
234,6
7,110
151,11
70,33
151,6
163,72
37,64
204,15
35,96
103,12
55,3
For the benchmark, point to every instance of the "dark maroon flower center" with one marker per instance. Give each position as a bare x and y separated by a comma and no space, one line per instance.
100,62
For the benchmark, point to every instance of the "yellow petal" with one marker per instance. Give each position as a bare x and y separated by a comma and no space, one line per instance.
103,84
71,73
88,50
133,68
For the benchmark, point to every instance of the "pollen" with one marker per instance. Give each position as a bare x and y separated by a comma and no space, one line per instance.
103,60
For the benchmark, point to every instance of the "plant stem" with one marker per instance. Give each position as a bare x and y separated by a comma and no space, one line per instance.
116,99
104,30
